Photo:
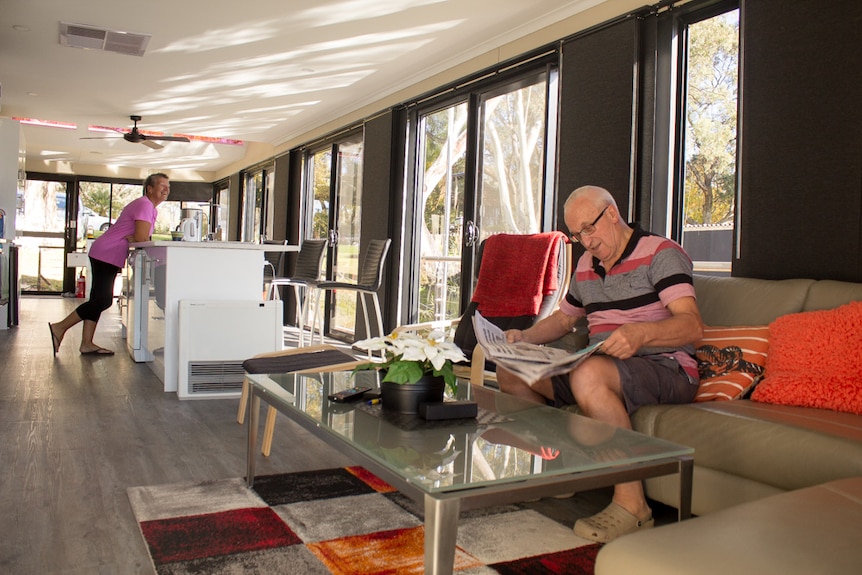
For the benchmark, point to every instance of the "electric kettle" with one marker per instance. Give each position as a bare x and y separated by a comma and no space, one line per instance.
191,231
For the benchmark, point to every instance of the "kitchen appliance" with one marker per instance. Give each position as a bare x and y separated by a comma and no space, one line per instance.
190,230
215,337
192,224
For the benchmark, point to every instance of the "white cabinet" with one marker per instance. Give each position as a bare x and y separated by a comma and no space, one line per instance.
175,271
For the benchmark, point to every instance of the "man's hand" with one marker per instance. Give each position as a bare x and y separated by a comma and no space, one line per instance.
514,335
682,328
625,341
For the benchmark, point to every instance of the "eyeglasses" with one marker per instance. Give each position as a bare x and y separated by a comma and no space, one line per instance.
588,229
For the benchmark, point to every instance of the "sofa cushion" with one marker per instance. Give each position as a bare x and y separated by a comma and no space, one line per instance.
782,446
815,360
829,294
730,359
747,301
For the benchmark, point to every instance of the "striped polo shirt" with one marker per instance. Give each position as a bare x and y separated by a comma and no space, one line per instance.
652,272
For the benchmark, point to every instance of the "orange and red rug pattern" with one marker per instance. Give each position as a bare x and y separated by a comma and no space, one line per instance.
342,521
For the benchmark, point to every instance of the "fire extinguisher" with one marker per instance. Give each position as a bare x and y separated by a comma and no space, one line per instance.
80,286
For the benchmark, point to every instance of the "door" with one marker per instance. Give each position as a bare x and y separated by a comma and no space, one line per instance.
334,176
470,187
47,227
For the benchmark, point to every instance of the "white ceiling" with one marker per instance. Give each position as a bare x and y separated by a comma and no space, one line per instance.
259,71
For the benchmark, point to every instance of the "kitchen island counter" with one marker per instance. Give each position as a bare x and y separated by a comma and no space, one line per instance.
167,272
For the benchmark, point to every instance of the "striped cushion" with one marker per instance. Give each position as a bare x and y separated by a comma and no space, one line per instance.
730,361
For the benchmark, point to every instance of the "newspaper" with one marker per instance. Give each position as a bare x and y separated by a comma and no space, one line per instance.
529,361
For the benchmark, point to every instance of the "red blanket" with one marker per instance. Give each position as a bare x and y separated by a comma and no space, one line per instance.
516,272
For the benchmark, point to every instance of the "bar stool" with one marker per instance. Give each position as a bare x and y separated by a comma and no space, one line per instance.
306,275
370,280
273,263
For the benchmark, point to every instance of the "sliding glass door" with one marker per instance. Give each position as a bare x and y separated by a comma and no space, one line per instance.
46,229
481,170
334,186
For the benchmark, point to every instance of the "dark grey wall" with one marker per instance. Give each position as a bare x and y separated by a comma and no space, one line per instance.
279,197
801,155
596,117
380,181
235,207
191,191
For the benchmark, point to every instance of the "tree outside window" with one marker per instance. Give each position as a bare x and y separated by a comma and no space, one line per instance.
709,190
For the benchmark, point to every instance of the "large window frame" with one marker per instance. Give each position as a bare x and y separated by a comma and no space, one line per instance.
332,194
256,205
708,242
537,67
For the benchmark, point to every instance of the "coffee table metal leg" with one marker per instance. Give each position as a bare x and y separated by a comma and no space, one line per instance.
686,477
251,418
441,528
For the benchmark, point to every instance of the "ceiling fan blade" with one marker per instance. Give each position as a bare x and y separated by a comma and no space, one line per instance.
169,138
151,144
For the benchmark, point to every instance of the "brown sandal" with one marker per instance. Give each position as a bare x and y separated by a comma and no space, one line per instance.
55,341
609,524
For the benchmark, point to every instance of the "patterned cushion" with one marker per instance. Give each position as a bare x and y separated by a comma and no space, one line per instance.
730,361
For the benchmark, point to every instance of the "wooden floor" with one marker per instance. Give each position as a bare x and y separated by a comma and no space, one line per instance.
76,431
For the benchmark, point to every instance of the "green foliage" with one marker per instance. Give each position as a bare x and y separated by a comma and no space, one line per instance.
96,196
711,118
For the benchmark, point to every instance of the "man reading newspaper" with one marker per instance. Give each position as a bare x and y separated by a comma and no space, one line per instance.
637,292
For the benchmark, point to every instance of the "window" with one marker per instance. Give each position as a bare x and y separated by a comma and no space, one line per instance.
221,211
101,204
708,143
333,188
43,222
471,187
257,205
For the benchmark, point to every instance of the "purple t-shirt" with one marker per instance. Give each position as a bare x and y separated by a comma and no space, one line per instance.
112,246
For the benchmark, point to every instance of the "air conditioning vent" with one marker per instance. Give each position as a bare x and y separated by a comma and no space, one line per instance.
93,38
215,376
216,336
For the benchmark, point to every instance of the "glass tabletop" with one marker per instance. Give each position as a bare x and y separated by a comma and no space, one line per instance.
510,440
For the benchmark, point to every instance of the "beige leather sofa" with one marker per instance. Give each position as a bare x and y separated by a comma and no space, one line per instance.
811,530
745,450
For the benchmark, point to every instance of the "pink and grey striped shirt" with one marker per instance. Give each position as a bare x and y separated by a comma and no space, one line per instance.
652,272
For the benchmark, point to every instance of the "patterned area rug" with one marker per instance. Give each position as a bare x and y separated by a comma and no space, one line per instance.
344,521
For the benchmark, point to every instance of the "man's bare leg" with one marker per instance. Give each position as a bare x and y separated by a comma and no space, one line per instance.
596,387
514,385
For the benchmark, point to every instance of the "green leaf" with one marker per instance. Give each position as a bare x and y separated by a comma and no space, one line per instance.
404,372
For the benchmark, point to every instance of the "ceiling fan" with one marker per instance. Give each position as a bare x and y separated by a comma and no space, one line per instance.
137,137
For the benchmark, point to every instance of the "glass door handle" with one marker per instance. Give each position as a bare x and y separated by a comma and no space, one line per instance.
471,233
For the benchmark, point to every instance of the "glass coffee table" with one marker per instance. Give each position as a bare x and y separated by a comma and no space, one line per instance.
514,450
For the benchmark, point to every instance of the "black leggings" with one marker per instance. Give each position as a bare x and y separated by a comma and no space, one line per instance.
101,290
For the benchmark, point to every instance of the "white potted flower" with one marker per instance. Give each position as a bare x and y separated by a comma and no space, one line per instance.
410,362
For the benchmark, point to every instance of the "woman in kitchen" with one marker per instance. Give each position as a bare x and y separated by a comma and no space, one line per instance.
107,257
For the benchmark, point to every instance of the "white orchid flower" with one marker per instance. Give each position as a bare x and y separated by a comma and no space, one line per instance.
373,344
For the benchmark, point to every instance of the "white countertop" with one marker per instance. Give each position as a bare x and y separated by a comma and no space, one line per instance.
217,245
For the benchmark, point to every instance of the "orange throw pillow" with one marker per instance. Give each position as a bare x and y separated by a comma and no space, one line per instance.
730,360
815,360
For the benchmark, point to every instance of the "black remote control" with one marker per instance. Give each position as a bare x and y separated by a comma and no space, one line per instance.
346,395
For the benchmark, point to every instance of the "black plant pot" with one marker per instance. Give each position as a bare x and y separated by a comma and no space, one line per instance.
406,397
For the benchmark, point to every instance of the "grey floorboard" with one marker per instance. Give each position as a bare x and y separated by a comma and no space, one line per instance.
75,432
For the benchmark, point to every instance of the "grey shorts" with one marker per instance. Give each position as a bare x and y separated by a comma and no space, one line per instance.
644,380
